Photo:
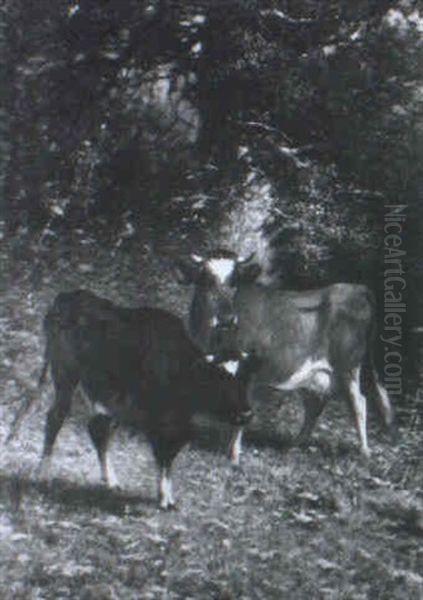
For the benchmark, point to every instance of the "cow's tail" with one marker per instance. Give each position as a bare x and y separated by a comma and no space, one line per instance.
379,392
31,396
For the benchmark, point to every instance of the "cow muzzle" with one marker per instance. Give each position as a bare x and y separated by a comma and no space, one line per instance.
224,322
244,418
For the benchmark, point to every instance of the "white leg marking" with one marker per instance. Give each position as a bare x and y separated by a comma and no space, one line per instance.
360,410
385,403
236,446
166,490
113,480
108,476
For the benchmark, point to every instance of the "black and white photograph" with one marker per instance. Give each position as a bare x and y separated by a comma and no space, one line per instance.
211,308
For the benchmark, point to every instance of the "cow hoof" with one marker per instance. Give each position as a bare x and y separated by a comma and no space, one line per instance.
171,506
113,486
237,467
365,453
235,462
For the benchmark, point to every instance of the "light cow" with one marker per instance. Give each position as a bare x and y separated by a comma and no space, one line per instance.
315,341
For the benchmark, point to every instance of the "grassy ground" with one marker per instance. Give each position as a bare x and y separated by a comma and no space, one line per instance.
315,524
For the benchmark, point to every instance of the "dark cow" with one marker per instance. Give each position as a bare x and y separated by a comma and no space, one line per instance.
312,340
143,371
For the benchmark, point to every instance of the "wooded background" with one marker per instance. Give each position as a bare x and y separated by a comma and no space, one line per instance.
269,125
132,132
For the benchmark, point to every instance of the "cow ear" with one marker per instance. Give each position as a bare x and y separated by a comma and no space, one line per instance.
248,273
186,271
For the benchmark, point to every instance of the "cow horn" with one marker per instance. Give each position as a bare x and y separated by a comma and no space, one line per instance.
243,260
209,358
197,258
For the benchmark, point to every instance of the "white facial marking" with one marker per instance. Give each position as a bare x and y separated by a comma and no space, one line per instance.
166,491
236,447
214,321
222,268
231,366
313,375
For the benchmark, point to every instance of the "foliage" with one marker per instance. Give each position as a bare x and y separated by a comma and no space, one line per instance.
141,109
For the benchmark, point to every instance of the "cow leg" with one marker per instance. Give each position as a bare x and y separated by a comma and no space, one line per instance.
166,445
385,408
359,406
383,402
55,418
167,500
314,404
235,446
100,429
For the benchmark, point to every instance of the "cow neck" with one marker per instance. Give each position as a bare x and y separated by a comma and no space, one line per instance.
206,381
199,319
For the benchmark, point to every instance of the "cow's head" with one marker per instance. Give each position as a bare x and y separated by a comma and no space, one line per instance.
216,279
227,379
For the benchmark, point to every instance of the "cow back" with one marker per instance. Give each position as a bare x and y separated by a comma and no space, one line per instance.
285,328
118,349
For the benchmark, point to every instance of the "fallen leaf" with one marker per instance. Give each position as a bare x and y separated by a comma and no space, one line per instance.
303,518
327,565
